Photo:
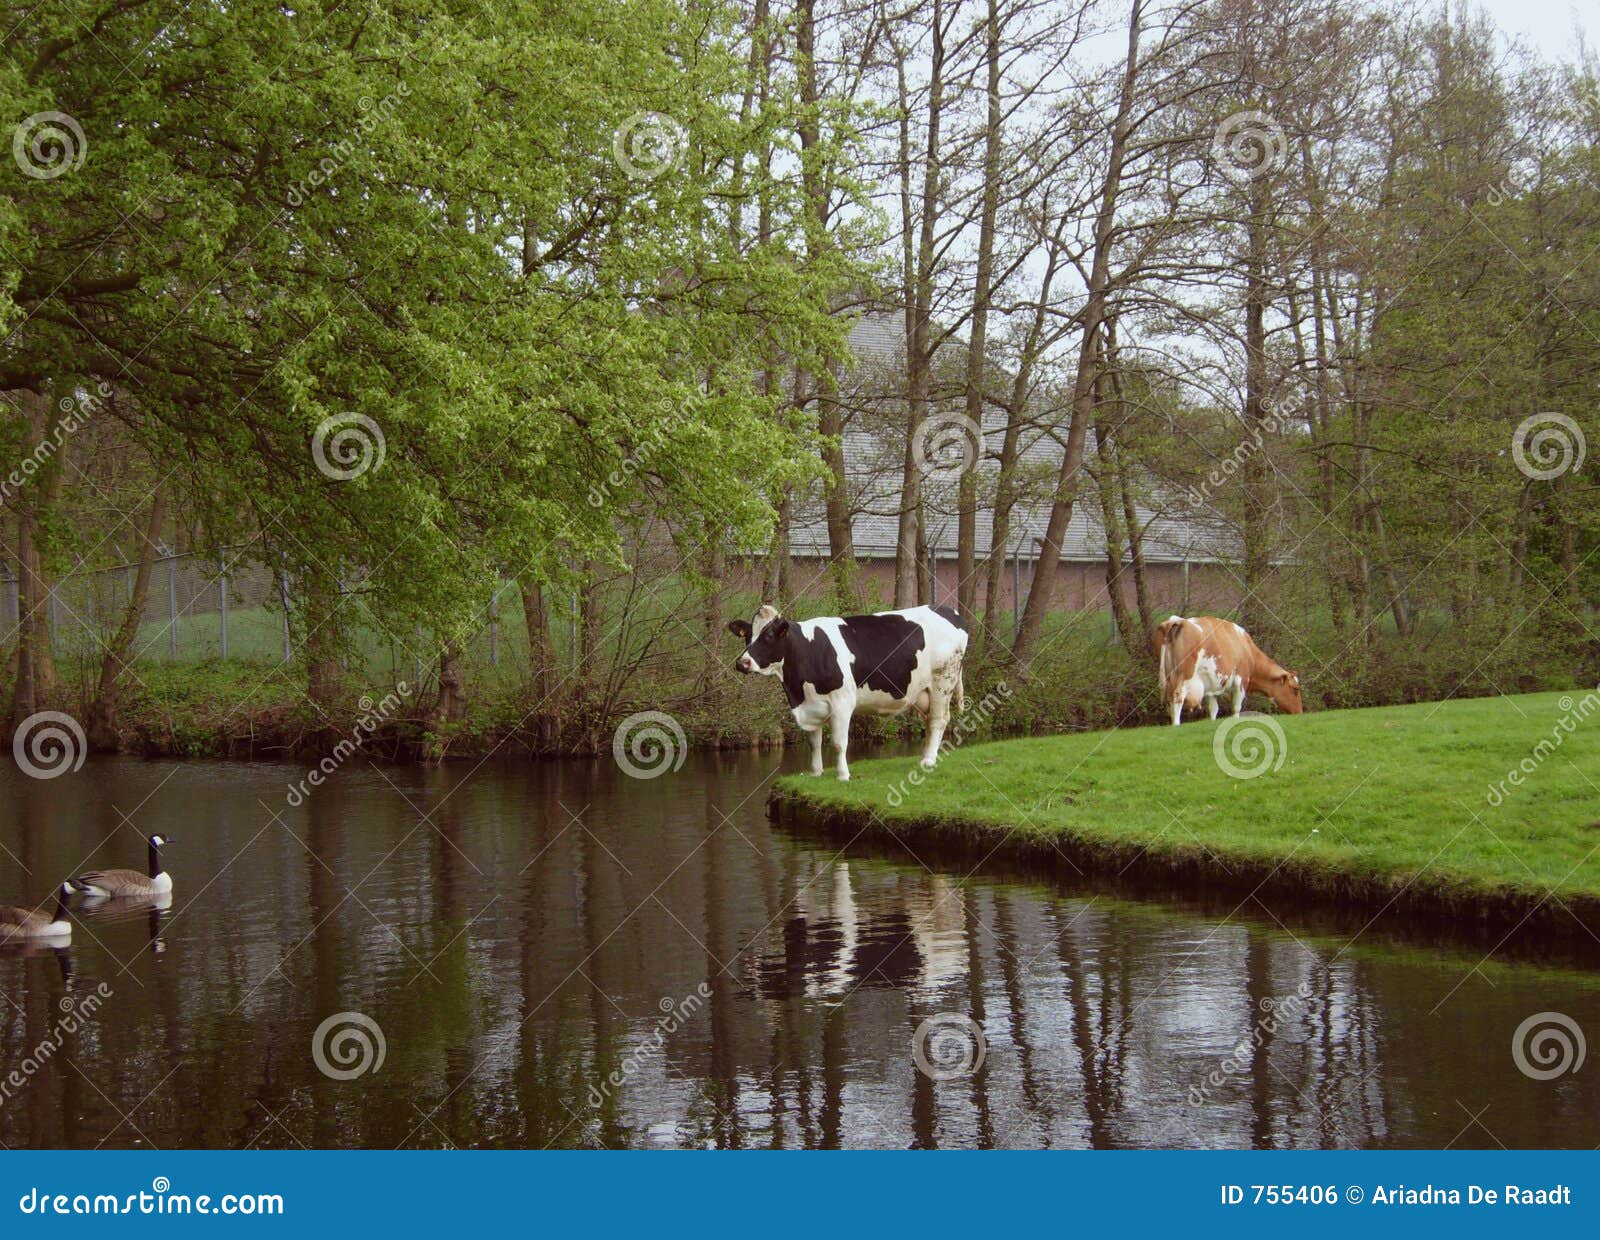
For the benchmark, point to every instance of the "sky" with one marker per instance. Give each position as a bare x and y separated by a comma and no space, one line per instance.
1547,26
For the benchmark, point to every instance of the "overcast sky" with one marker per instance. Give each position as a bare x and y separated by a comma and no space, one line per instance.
1548,26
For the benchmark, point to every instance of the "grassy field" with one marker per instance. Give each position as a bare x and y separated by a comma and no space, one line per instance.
1413,805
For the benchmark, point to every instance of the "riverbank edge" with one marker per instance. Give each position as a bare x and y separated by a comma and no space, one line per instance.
1506,916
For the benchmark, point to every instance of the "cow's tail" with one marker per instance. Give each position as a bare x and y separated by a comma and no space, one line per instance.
1166,633
961,691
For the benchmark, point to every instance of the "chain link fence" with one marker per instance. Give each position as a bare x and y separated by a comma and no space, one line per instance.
223,607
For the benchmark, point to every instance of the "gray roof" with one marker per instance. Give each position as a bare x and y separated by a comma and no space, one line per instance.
872,393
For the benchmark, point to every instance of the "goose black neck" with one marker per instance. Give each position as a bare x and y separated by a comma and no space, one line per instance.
61,905
155,860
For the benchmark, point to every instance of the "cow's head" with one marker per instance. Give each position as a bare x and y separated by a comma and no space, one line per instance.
1283,687
763,641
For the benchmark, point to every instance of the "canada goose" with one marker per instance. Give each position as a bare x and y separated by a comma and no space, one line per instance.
121,883
26,923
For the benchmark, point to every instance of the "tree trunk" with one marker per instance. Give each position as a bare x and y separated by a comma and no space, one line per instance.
452,706
1042,594
541,657
1005,491
1257,616
830,418
103,710
919,309
977,344
324,676
36,667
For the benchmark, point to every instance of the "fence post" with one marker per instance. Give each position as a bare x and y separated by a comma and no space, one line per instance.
283,595
222,587
494,625
1016,596
172,606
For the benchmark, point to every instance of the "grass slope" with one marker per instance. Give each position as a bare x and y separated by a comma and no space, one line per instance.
1387,804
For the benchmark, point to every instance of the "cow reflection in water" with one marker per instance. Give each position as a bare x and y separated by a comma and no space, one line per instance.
904,939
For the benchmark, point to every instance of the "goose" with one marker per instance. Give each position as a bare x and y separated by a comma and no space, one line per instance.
27,923
122,883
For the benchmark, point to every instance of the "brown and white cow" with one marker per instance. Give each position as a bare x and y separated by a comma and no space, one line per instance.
1204,657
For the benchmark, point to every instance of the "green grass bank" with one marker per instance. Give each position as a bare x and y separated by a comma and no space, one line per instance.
1482,813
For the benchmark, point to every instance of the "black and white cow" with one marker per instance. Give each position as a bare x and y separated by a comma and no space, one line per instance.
834,667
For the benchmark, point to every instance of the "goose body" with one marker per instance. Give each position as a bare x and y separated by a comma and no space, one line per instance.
124,883
27,923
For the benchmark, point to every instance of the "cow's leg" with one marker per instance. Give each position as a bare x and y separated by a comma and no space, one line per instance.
841,740
1176,707
1211,706
816,749
944,685
1238,695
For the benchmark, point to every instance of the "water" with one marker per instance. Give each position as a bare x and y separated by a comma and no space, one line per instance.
558,955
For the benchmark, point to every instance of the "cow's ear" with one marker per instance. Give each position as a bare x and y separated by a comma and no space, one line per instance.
778,628
740,629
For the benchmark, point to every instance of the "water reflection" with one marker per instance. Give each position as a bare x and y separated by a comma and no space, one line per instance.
559,955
